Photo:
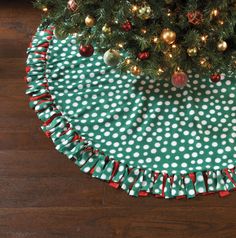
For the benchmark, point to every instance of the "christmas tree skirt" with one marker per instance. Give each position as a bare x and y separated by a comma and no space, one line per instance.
139,134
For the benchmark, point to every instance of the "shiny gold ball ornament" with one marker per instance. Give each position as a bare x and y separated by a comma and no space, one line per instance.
111,57
222,46
144,12
106,29
168,36
89,21
192,51
135,70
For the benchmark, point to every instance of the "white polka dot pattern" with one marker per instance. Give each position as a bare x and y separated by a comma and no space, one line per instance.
142,122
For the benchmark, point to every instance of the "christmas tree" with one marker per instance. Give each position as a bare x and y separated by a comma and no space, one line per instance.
162,39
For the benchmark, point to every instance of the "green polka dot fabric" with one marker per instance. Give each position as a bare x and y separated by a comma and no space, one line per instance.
139,134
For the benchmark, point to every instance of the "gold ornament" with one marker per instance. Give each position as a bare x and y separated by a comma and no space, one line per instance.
192,51
135,70
89,21
144,12
168,36
222,46
106,29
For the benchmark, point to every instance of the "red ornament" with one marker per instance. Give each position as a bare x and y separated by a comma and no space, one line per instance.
72,5
215,78
86,50
144,55
195,17
127,26
179,79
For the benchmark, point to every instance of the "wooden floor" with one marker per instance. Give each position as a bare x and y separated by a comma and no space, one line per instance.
43,195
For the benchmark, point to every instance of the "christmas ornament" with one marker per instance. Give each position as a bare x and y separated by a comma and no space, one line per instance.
144,12
222,46
72,5
106,29
127,26
215,78
111,57
86,50
179,79
168,36
135,70
143,55
89,21
192,51
195,17
60,33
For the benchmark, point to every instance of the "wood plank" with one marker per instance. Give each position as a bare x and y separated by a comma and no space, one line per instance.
13,71
124,222
57,191
37,163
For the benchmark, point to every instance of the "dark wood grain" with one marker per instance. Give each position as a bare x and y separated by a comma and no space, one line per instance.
43,194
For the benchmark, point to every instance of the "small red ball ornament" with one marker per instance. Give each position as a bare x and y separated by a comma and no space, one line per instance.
179,79
195,17
143,55
127,26
72,5
215,78
86,50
